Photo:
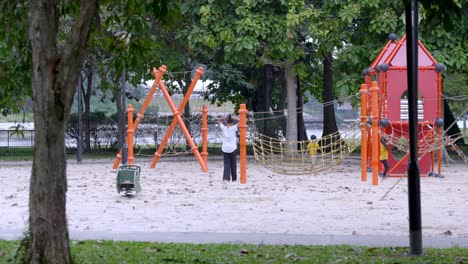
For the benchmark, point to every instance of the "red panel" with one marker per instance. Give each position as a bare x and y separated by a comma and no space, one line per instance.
396,86
427,82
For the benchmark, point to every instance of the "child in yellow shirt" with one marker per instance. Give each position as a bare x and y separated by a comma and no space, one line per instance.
313,146
384,156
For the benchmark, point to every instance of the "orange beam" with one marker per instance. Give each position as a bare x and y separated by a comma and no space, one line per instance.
158,75
363,93
205,134
130,133
243,143
374,90
178,119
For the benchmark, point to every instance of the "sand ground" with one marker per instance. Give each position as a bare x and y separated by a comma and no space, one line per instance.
178,197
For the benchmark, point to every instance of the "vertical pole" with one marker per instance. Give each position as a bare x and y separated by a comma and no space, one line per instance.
439,129
124,107
243,143
204,153
363,93
414,188
374,90
130,133
79,141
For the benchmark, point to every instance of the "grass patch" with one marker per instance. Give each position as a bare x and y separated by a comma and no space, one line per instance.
143,252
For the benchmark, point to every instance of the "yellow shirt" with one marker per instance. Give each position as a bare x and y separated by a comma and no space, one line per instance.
383,152
313,147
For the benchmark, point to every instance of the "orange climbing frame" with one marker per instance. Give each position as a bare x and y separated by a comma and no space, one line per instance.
178,119
141,113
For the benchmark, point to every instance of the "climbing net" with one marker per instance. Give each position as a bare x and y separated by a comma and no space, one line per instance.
429,139
293,158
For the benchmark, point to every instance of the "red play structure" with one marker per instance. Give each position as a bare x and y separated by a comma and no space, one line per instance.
384,102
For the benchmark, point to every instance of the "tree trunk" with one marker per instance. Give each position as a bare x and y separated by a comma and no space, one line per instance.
329,120
263,102
117,93
87,113
291,127
301,130
54,79
187,114
280,119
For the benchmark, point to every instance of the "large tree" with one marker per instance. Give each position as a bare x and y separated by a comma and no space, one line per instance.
58,42
255,33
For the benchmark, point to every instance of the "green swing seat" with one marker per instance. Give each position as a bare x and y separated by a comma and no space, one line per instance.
128,179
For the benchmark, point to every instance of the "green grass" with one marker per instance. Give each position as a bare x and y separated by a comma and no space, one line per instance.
143,252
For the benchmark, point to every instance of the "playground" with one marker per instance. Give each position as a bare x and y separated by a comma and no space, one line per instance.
177,196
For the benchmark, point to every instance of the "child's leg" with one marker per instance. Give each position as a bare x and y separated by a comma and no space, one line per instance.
386,167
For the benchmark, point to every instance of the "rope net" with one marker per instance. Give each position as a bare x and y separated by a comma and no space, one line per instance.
296,157
428,139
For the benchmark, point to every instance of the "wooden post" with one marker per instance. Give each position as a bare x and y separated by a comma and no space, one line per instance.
204,153
363,93
130,133
243,143
374,90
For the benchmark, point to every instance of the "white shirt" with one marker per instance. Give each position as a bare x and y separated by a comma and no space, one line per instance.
229,138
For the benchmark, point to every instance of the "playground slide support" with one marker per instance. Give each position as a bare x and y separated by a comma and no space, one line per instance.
363,93
130,133
374,90
205,134
243,143
178,119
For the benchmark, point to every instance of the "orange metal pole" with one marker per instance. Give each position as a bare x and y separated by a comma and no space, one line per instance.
205,134
374,90
158,75
363,93
130,133
243,143
178,119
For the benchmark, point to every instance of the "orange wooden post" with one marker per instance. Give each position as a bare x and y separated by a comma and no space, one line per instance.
363,93
158,75
130,133
178,119
374,90
205,134
243,143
